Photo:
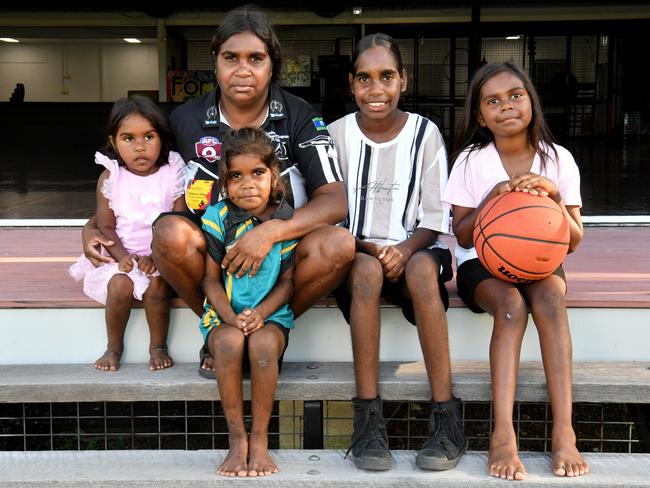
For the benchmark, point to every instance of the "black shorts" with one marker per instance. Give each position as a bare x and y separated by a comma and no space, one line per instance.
246,360
192,217
472,272
395,292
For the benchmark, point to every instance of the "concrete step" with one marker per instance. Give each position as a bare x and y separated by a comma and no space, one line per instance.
624,382
180,469
78,335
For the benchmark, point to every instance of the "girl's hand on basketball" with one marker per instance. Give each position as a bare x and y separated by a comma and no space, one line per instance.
146,265
251,320
126,264
534,184
498,189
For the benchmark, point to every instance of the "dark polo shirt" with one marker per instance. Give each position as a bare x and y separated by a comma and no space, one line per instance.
299,136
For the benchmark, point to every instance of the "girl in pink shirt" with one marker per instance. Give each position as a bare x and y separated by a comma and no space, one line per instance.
142,178
505,145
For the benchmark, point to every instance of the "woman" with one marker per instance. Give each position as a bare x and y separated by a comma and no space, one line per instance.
247,62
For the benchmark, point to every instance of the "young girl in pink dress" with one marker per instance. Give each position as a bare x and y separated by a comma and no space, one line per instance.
143,178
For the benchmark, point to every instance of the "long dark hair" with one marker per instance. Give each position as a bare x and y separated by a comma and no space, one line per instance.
378,39
253,141
249,18
137,104
474,137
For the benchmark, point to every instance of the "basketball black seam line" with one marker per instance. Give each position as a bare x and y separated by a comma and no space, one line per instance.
485,211
493,203
516,210
534,239
505,260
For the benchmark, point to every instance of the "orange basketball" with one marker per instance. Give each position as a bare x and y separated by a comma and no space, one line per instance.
521,237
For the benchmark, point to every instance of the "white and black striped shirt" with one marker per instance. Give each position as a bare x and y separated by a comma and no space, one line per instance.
393,187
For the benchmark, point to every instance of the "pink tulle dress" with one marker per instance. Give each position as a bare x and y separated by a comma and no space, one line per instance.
136,201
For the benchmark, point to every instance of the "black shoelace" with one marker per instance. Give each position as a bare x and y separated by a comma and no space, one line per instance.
442,424
371,431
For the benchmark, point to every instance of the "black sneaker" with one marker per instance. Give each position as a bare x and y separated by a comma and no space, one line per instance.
369,440
446,442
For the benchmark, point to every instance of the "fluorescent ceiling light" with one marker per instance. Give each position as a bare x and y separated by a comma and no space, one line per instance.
132,40
513,38
8,39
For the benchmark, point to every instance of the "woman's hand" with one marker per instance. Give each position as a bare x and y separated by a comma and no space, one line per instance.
93,240
248,252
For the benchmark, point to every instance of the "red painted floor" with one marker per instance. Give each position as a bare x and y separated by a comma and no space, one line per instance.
611,268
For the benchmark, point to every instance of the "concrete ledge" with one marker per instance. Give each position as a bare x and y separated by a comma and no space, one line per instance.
618,382
180,469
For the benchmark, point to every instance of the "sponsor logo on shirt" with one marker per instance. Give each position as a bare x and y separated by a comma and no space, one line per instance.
208,148
198,194
276,109
319,123
321,140
211,116
279,144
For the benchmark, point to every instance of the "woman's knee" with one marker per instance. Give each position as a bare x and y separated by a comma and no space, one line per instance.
120,287
176,238
366,276
333,247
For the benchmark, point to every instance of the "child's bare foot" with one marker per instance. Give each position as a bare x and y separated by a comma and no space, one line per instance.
503,461
159,359
235,462
110,361
566,460
259,461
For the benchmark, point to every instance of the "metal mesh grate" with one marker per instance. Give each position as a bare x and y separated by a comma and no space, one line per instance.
433,68
599,427
202,425
198,55
407,48
119,425
499,49
583,58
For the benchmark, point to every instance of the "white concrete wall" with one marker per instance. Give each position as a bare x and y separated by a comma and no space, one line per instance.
32,336
77,72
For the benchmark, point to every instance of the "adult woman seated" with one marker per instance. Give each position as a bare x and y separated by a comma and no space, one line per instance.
247,62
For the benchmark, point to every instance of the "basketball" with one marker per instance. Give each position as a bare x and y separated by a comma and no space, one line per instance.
520,237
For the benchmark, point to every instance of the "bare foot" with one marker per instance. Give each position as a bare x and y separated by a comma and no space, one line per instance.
159,359
503,461
235,462
110,361
260,462
566,460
